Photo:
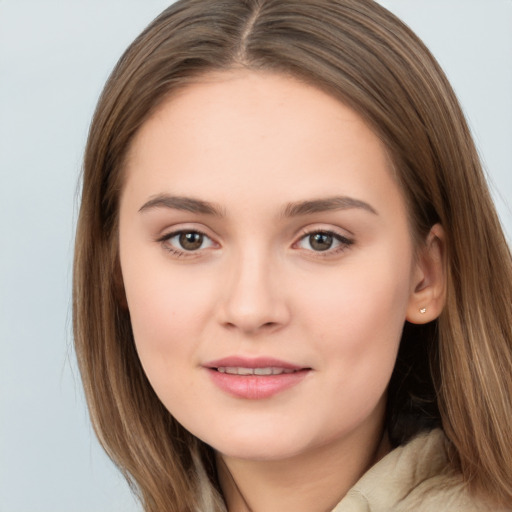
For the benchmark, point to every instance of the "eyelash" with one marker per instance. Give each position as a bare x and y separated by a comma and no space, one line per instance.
164,241
343,242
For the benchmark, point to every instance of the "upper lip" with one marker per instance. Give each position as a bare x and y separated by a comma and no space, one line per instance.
252,362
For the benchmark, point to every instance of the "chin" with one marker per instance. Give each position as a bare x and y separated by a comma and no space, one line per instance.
255,443
265,444
258,451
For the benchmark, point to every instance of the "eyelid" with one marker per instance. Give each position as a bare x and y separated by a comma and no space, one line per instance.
183,227
344,241
176,251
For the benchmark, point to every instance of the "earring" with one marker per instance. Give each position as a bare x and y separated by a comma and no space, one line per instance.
423,311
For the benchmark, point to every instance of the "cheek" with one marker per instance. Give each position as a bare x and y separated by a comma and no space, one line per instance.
361,298
359,320
160,315
167,313
164,323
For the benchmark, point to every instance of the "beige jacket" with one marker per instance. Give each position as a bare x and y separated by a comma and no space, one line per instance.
413,478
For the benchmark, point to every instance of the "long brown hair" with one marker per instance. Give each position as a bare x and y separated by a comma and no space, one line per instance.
455,372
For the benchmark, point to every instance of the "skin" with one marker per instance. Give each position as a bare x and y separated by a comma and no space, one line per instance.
252,144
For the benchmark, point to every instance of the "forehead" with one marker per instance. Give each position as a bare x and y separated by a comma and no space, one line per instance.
240,132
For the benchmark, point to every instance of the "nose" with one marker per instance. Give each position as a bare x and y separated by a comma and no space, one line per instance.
254,299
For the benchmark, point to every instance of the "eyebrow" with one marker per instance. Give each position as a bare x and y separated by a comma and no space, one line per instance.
294,209
187,204
326,204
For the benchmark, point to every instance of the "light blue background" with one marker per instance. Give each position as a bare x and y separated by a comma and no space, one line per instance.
54,58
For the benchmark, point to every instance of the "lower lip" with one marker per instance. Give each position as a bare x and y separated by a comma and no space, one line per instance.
256,387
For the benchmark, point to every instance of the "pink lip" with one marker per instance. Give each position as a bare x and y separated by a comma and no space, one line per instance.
255,387
252,362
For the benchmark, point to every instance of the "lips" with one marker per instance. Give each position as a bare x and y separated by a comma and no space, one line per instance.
257,362
254,378
233,370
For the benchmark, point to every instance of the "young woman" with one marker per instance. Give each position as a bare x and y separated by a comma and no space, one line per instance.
287,269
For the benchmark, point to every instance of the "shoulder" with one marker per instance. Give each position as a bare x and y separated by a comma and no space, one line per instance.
414,477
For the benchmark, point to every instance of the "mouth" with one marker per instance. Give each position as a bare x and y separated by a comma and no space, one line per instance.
271,370
255,378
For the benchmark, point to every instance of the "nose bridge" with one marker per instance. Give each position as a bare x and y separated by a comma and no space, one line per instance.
253,298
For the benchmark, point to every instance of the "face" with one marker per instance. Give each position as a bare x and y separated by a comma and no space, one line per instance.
268,265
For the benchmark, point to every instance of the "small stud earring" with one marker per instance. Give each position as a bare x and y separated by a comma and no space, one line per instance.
423,311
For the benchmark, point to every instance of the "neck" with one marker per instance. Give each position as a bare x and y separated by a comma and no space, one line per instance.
315,480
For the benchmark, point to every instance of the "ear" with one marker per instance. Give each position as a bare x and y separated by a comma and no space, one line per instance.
428,283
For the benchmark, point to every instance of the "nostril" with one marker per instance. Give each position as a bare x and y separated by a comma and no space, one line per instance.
252,326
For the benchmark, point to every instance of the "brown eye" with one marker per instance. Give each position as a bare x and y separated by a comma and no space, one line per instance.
321,241
191,241
181,243
328,242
